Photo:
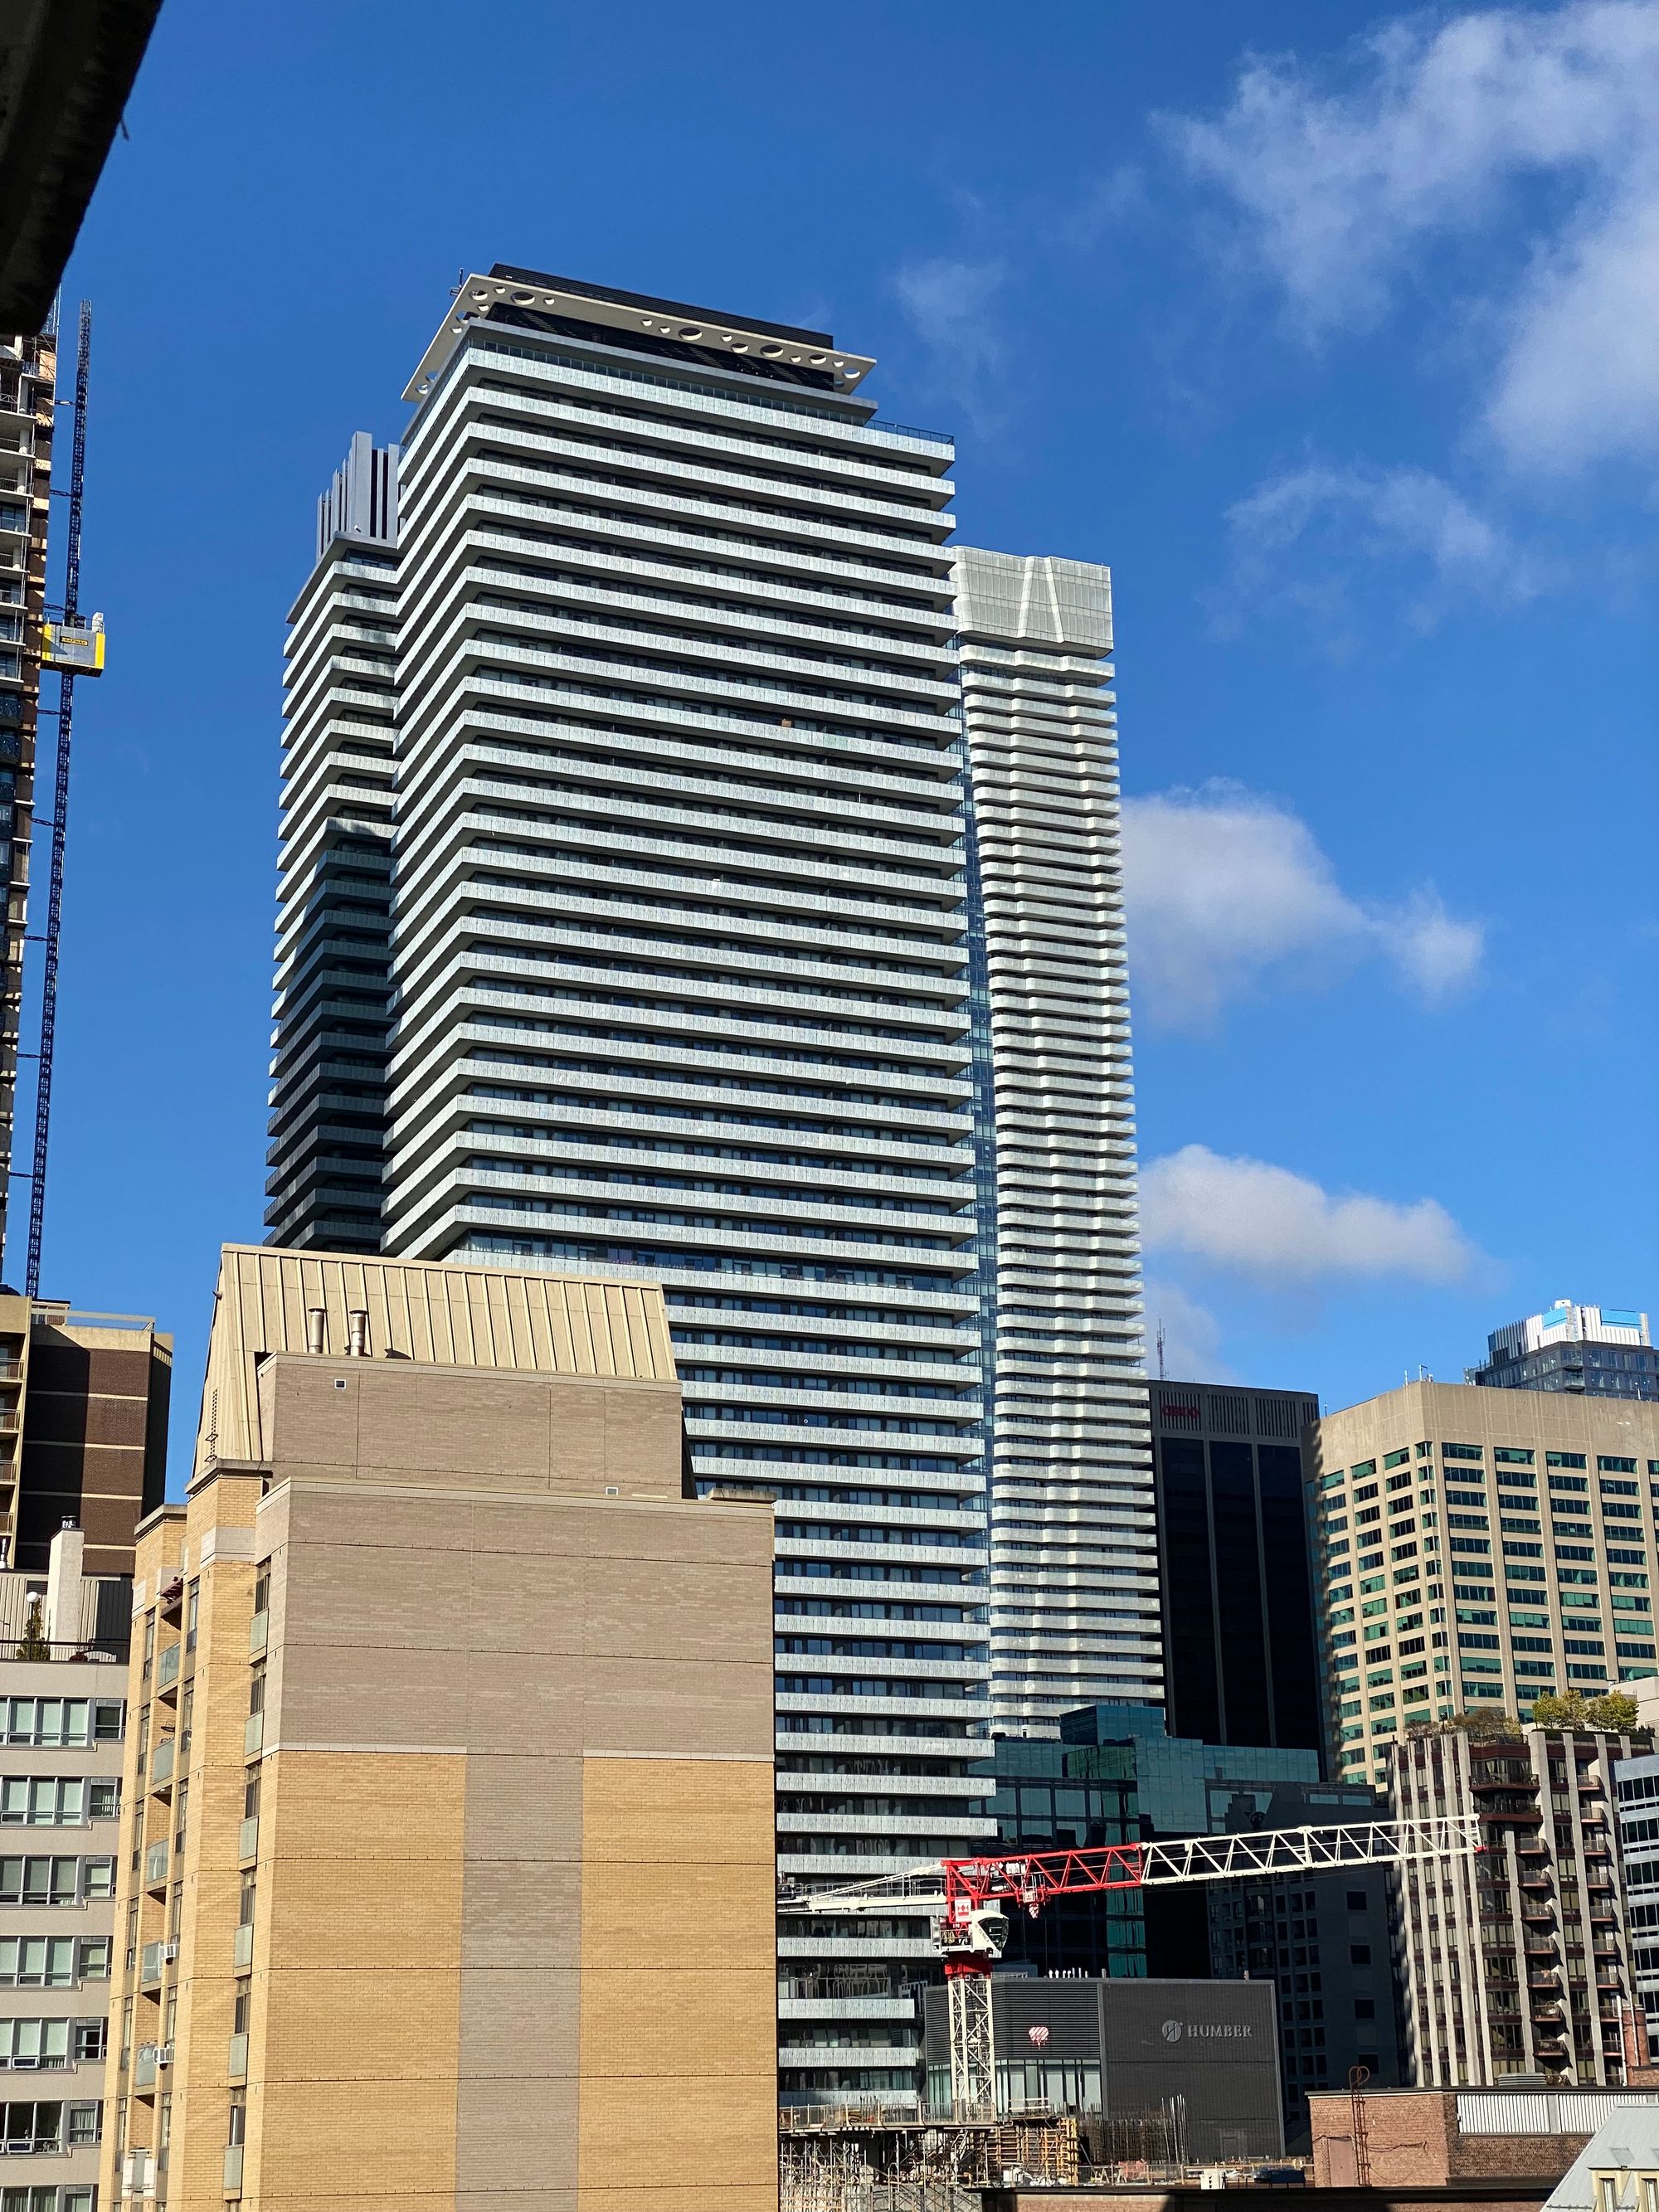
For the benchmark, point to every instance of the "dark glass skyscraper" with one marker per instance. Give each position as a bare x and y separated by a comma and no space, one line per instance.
1240,1658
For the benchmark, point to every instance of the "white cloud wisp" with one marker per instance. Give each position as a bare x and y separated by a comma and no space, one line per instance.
1431,134
1249,1218
1226,889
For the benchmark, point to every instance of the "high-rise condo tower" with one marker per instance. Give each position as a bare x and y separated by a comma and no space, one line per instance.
1074,1601
639,658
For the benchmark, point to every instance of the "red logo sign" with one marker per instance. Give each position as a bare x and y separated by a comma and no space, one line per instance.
1038,2035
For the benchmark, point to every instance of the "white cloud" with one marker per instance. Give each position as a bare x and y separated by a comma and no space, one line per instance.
1432,132
1192,1336
948,304
1423,535
1249,1217
1226,889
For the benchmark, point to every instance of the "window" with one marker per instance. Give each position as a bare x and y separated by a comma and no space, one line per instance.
192,1609
1510,1455
238,2126
1462,1451
1357,1900
1364,2007
1564,1459
1365,1466
1606,1466
41,1962
1360,1954
93,1960
42,1800
55,1881
28,2043
66,1723
1395,1458
90,2036
103,1800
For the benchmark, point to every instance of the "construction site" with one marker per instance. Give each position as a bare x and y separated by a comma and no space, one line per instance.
1158,2097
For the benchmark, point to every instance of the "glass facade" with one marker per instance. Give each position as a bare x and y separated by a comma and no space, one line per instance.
1240,1651
1117,1777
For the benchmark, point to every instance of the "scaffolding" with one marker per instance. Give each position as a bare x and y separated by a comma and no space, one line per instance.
890,2158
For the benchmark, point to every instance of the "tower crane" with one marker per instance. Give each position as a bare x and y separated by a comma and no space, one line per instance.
964,1900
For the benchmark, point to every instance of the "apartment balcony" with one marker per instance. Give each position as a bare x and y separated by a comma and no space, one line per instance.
148,2060
807,2055
153,1962
167,1666
588,875
162,1764
920,1746
155,1865
917,1948
894,2005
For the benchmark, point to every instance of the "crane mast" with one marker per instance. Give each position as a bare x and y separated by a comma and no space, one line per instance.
964,1899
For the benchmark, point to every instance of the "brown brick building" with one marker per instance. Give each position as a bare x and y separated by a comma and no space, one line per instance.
1424,2138
451,1768
83,1427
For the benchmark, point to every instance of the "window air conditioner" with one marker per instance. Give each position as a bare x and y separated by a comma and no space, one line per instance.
169,1950
164,2054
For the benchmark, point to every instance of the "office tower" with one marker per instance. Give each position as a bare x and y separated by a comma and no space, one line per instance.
1241,1658
451,1768
1605,1351
1480,1546
84,1431
1074,1571
28,376
61,1732
1516,1959
680,979
334,887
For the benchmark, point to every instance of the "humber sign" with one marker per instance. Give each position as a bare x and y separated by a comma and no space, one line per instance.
1195,2031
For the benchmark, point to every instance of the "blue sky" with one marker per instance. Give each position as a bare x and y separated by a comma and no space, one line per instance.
1339,349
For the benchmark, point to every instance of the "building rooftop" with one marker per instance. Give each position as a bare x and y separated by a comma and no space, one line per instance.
747,344
442,1313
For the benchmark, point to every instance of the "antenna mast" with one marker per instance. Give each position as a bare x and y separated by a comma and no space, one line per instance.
59,815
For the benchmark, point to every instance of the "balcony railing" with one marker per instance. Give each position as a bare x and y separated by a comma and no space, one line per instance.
167,1666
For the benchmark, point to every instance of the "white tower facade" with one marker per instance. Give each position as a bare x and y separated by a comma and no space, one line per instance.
679,988
1074,1602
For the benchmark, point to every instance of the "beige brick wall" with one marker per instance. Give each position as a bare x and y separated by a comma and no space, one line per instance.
512,1947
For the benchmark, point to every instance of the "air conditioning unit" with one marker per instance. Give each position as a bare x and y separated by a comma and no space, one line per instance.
169,1950
164,2054
25,2065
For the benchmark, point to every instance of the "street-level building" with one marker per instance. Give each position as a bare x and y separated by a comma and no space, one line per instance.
1240,1646
1074,1564
62,1704
450,1875
1517,1959
1478,1547
1198,2059
1606,1352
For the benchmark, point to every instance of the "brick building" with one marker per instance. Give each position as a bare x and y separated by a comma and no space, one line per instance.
450,1873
